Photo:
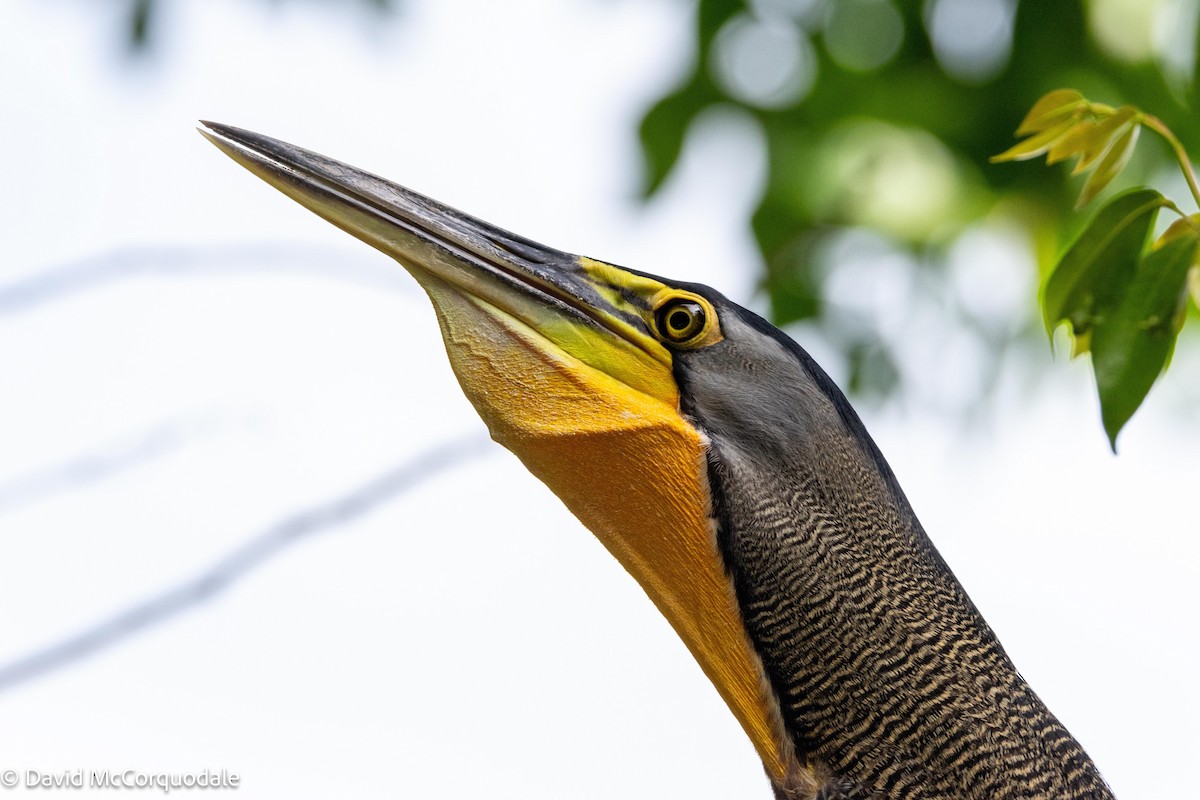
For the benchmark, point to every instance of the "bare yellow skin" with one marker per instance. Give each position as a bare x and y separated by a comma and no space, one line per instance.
630,468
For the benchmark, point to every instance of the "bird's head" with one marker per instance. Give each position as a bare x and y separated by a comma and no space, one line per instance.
616,388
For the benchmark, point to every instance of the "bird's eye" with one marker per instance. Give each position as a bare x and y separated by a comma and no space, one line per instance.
680,320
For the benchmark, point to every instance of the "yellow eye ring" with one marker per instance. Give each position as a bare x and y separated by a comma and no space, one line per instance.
685,320
680,319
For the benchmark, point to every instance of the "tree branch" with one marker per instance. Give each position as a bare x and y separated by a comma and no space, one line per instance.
222,574
108,459
342,264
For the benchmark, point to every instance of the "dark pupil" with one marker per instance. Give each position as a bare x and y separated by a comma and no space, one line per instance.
680,319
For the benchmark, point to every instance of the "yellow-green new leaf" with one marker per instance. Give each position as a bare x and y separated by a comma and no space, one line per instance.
1104,136
1081,343
1131,346
1037,144
1092,274
1051,109
1184,226
1110,166
1075,142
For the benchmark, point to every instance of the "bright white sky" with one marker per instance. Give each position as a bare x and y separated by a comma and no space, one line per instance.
470,638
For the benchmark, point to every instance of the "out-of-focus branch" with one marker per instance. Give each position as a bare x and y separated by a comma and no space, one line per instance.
342,264
255,552
106,460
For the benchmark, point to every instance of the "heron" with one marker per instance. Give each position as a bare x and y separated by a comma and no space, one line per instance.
728,474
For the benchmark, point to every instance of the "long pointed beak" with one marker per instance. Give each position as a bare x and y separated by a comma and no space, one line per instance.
559,356
569,300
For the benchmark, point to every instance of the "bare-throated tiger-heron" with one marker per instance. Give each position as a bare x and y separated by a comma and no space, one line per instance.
729,475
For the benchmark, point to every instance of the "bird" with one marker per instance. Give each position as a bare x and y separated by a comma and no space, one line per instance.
729,475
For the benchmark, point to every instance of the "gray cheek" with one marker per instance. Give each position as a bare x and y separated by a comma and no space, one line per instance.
759,400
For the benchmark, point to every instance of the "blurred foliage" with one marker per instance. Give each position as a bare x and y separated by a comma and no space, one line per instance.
878,118
882,114
1122,301
142,14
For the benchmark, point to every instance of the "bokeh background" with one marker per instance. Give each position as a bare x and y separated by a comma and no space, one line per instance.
248,522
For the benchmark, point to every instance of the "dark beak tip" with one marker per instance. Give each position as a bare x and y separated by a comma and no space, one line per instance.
239,136
218,134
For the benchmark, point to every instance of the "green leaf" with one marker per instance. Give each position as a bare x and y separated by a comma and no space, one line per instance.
1094,271
141,14
1110,166
1051,109
793,275
711,15
1130,348
662,133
